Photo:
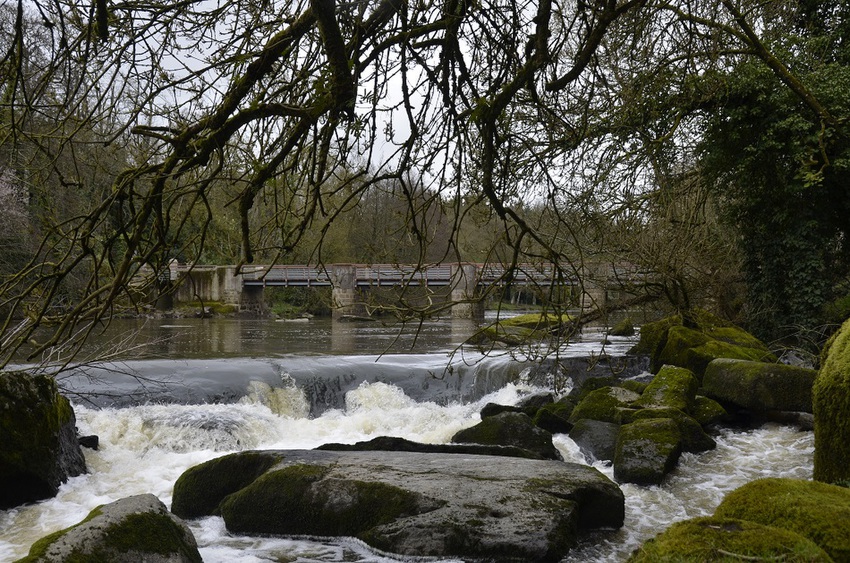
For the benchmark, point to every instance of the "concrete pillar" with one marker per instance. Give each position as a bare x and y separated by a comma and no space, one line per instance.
345,297
465,304
593,288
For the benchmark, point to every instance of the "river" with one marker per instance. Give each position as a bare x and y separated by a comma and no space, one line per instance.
184,391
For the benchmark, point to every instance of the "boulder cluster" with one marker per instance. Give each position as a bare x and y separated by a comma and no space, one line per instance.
500,490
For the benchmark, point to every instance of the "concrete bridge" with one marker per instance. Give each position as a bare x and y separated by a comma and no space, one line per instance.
461,282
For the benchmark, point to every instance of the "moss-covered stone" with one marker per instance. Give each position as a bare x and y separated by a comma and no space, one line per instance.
623,328
672,387
445,504
516,330
652,334
299,500
831,404
694,338
647,450
694,438
728,541
708,412
604,404
818,511
555,417
510,429
692,349
597,440
759,386
200,489
132,529
38,439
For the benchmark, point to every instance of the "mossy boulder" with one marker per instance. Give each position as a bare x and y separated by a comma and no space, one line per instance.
694,349
517,330
298,499
759,386
555,417
510,429
694,437
605,404
818,511
672,387
38,439
708,412
137,528
653,334
694,338
647,450
597,440
727,540
623,328
221,477
420,504
831,405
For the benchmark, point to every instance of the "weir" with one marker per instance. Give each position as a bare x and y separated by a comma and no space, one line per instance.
350,283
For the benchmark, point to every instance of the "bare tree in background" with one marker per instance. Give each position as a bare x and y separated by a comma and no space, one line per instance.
302,107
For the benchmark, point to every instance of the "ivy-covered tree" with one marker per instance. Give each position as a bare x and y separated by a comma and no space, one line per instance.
781,162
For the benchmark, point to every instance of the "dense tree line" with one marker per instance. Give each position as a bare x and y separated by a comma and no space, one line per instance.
702,143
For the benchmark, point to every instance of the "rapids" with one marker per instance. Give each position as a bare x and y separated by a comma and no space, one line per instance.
144,448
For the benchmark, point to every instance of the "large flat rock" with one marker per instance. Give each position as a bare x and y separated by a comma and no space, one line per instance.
499,508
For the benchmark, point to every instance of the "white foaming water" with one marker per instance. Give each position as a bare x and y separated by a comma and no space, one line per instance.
145,449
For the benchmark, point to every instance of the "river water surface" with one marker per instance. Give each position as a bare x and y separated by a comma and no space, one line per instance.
219,386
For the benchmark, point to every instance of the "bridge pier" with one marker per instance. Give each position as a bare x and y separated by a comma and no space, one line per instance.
345,296
465,302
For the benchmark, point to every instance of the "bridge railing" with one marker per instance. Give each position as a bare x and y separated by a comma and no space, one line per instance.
379,275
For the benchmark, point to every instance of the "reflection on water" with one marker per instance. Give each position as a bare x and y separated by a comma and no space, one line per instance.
268,338
233,337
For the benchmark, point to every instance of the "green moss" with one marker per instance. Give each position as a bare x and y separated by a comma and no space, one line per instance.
728,541
39,548
652,334
694,438
831,405
647,450
708,411
623,328
818,511
554,417
672,387
509,429
694,350
149,533
759,385
514,331
604,404
632,385
200,489
36,430
143,533
300,499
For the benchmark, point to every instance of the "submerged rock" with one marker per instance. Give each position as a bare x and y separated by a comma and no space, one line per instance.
38,439
443,505
138,528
